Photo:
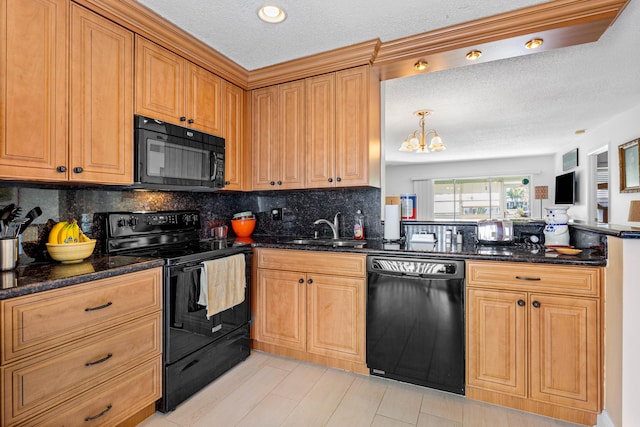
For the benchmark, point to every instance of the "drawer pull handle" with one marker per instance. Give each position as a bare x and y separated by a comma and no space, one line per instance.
95,417
95,362
528,278
100,307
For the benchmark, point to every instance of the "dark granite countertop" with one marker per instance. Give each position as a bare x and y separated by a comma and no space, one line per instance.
30,276
622,231
517,253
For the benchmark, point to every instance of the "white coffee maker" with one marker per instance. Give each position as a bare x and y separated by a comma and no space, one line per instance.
556,232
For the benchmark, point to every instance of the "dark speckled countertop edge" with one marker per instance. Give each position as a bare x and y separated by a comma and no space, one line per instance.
377,247
31,277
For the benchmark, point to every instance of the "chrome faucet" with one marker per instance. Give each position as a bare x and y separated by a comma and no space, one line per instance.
335,227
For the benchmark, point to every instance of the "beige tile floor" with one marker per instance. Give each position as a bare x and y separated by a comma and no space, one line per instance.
267,390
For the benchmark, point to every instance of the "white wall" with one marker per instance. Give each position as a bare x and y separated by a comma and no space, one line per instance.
618,130
399,179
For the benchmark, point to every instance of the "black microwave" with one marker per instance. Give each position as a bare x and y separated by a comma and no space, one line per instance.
171,157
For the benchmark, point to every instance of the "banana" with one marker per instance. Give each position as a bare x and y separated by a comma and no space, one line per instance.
55,232
66,232
84,238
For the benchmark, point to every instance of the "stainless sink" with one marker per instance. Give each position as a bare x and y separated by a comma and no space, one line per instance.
350,243
309,241
347,243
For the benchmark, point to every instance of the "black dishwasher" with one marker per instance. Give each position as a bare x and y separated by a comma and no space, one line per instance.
415,321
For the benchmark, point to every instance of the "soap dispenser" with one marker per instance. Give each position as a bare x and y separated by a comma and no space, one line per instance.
358,226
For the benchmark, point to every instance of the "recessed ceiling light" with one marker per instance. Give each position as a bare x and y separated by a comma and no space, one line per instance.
534,43
272,14
473,55
421,65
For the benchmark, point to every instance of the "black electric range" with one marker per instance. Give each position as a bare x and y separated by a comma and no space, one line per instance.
196,349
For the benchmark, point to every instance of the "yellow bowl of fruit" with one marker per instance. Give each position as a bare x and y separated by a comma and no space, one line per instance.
70,253
68,244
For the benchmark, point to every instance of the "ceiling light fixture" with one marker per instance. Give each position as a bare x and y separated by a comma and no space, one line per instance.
417,141
474,54
534,43
421,65
272,14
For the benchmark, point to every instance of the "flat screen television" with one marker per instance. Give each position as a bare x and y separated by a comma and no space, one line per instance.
566,189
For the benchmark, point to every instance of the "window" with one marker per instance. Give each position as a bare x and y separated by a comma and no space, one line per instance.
479,198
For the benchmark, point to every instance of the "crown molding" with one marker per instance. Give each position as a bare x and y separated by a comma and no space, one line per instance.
313,65
560,23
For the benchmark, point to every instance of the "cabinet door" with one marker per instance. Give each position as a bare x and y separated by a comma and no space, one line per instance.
320,113
265,138
280,311
291,135
336,316
101,109
352,127
159,83
203,100
233,132
496,341
33,89
565,351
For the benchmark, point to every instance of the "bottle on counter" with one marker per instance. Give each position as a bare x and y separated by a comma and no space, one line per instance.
358,226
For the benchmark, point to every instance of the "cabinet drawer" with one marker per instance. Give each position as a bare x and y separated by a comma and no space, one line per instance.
338,264
568,280
42,382
110,403
38,322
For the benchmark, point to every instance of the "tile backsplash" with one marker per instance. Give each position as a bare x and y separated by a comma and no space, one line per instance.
299,208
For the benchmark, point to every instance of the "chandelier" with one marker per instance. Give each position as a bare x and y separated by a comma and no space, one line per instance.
417,141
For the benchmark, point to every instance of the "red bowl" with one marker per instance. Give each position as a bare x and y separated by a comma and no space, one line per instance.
243,227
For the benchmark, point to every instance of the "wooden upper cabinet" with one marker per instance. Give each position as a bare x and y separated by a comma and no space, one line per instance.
204,99
291,117
174,90
278,137
233,132
101,108
321,131
265,137
159,82
357,128
33,89
42,139
343,129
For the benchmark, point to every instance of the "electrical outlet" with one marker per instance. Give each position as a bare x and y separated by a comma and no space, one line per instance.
276,214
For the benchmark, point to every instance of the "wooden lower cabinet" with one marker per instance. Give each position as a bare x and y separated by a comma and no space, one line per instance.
311,306
98,360
530,347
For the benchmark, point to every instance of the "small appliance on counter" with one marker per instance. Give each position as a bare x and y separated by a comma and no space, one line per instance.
556,232
495,232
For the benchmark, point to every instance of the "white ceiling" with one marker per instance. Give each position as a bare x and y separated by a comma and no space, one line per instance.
522,106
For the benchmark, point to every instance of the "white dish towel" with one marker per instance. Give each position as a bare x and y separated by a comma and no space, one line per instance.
222,283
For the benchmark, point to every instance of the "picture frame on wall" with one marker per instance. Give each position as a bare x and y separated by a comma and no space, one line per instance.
570,160
629,167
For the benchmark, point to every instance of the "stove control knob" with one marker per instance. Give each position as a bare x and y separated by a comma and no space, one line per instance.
133,221
122,222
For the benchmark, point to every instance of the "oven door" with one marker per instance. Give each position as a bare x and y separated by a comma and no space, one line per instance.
186,327
189,160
